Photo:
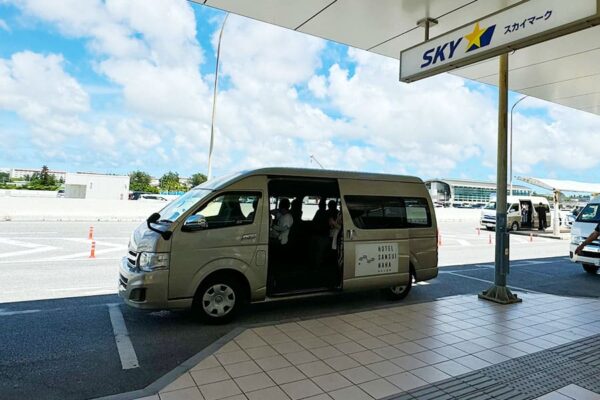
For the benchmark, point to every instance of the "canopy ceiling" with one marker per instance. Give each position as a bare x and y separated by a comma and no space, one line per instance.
564,71
562,186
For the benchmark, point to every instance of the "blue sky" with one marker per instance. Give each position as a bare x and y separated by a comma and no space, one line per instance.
112,87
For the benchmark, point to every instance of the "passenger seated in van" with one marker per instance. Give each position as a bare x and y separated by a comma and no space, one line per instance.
280,229
296,209
334,220
252,213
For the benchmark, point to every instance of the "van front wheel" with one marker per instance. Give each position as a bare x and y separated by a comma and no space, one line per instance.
218,300
399,292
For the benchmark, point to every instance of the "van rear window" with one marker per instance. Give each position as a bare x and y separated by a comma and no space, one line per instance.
388,212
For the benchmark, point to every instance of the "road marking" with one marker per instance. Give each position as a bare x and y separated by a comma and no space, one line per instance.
38,249
18,243
124,346
4,313
43,260
78,288
486,281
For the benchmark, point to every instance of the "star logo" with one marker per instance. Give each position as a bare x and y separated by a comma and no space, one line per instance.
479,37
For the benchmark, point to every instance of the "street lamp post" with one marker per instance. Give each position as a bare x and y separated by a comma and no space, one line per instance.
511,141
214,105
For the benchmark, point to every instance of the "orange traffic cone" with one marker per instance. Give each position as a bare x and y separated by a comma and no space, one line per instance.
439,239
478,231
91,233
531,237
93,250
490,239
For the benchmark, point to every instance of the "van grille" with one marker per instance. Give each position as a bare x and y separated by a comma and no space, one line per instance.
132,259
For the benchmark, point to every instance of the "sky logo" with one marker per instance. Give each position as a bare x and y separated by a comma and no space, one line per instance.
475,40
479,37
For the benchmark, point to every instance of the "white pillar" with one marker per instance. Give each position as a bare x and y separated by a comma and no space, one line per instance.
556,223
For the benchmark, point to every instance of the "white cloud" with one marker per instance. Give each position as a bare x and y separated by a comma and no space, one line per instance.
151,51
4,25
37,88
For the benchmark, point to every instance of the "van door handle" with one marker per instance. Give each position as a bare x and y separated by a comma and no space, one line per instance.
249,236
350,234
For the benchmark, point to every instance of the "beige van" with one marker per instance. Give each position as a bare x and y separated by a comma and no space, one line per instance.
521,213
216,247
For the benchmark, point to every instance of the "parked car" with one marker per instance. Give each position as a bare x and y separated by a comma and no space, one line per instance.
151,197
583,226
60,193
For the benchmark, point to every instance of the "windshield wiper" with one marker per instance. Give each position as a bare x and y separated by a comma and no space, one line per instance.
168,221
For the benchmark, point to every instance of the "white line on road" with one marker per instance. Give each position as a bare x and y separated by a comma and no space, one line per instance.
80,289
18,243
124,346
4,313
39,249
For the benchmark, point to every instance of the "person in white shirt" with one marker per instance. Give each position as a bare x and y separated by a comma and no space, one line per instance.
280,229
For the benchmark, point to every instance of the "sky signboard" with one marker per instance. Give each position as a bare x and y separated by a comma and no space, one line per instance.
521,25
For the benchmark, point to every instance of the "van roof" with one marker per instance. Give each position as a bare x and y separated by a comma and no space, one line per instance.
309,173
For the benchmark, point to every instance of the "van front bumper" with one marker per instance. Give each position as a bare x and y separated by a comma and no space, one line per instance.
589,255
146,290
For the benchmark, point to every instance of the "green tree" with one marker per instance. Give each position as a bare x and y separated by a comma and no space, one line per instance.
170,182
197,179
139,181
4,177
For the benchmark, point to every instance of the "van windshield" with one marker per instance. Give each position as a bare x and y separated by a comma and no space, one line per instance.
179,206
490,206
591,213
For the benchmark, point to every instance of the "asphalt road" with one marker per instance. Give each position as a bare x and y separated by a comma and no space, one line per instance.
64,348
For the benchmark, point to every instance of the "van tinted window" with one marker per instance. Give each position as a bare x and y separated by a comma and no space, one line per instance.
387,212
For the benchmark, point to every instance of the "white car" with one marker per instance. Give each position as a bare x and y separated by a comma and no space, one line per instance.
584,225
152,197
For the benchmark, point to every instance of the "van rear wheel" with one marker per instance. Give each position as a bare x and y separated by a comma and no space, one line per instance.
590,268
515,226
218,300
399,292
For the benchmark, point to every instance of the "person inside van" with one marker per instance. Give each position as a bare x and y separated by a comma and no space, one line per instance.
252,213
280,229
334,222
320,238
296,209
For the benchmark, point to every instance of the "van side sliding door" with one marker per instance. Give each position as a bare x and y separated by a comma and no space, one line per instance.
376,245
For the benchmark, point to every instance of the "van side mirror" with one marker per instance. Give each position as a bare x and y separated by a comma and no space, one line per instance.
194,223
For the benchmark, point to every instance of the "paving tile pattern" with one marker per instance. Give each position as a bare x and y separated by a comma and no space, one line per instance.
525,377
454,348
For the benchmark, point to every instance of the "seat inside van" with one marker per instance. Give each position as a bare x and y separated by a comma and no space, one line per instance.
308,261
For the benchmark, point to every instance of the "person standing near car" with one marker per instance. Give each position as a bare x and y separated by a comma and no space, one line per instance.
593,236
542,217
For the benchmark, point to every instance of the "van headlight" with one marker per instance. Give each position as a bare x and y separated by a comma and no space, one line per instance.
153,261
577,239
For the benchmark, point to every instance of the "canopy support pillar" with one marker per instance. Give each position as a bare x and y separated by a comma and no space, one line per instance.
556,219
499,293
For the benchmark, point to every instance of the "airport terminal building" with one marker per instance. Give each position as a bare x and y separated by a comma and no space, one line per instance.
457,193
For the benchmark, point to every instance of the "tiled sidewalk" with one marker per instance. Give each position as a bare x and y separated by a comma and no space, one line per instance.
386,352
